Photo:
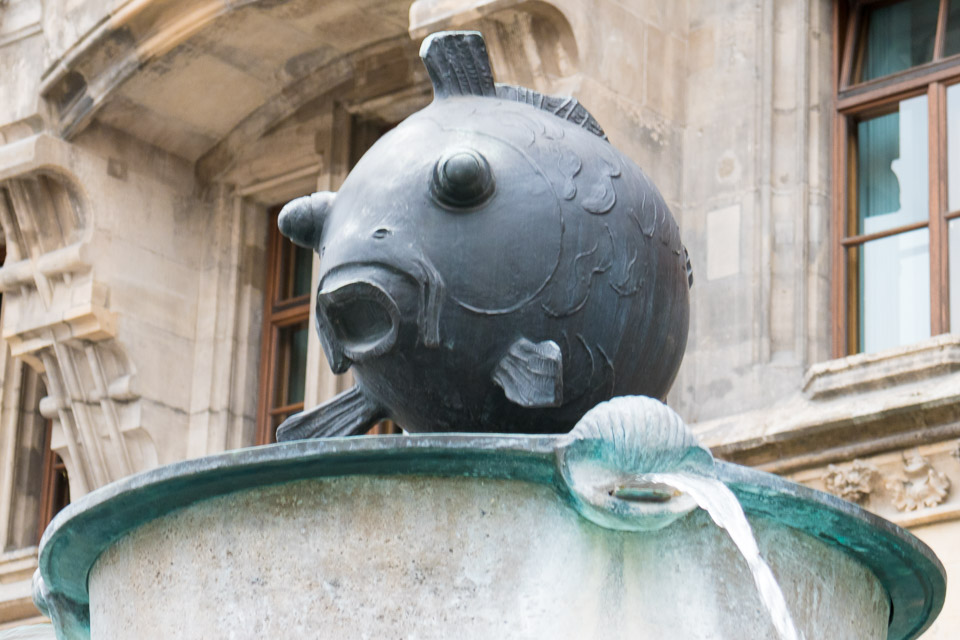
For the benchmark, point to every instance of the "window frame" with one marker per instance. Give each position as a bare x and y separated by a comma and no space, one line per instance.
55,478
355,133
853,101
278,314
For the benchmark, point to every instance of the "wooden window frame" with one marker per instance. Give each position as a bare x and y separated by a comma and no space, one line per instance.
355,134
874,97
277,315
53,465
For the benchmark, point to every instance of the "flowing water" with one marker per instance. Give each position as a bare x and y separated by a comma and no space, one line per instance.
718,500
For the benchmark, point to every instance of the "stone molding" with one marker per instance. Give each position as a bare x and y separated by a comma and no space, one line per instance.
871,371
16,592
20,19
130,35
57,316
911,487
852,407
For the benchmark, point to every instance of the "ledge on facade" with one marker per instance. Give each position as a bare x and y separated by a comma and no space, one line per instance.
850,407
871,371
16,591
427,16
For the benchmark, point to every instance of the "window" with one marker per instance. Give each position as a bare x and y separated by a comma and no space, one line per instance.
286,326
897,168
55,490
35,474
285,331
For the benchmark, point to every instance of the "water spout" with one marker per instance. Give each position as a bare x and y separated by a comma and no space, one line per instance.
724,509
632,464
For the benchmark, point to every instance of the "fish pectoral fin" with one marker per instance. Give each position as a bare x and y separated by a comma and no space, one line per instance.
347,414
531,374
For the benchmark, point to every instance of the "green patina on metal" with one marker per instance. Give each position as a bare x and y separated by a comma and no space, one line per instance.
912,575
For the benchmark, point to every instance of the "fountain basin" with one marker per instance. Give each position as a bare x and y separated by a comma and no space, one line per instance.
478,536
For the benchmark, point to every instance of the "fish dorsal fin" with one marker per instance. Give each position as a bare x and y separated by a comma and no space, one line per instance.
567,108
458,64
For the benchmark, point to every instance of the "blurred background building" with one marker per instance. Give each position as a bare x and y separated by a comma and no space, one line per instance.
809,149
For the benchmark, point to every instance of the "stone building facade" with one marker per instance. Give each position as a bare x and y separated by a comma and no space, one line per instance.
151,315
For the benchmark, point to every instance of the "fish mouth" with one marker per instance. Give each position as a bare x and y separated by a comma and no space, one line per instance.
364,318
358,313
361,307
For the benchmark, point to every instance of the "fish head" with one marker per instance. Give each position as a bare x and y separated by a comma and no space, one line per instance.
432,214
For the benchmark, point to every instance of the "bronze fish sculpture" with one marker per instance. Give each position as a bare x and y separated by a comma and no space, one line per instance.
492,264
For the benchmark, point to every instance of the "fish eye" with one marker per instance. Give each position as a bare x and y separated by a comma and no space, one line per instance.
462,179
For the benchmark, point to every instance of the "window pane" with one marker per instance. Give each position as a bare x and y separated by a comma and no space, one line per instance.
60,487
953,234
953,147
296,266
892,159
302,263
952,45
291,371
899,36
894,290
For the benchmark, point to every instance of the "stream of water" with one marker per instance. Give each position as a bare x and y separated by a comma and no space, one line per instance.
718,500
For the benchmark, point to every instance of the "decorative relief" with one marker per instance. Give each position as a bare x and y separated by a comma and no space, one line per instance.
919,484
854,482
56,318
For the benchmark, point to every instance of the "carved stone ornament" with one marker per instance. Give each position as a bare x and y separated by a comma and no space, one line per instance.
491,264
920,485
56,318
853,483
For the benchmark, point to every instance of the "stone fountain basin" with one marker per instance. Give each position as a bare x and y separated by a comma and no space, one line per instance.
456,535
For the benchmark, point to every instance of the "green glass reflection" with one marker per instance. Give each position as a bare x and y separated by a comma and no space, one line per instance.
302,263
291,365
297,376
878,145
951,45
892,163
899,36
953,147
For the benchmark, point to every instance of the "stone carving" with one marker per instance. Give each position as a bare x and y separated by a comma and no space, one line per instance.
919,485
491,264
854,482
56,319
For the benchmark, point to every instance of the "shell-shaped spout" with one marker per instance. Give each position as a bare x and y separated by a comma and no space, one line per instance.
616,457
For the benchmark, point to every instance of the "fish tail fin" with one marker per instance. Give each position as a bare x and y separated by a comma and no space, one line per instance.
347,414
458,64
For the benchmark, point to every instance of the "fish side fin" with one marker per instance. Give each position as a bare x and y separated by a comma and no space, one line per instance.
458,64
686,259
347,414
531,374
567,108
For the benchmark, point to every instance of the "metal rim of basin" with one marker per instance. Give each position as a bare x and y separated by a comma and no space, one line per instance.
909,571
